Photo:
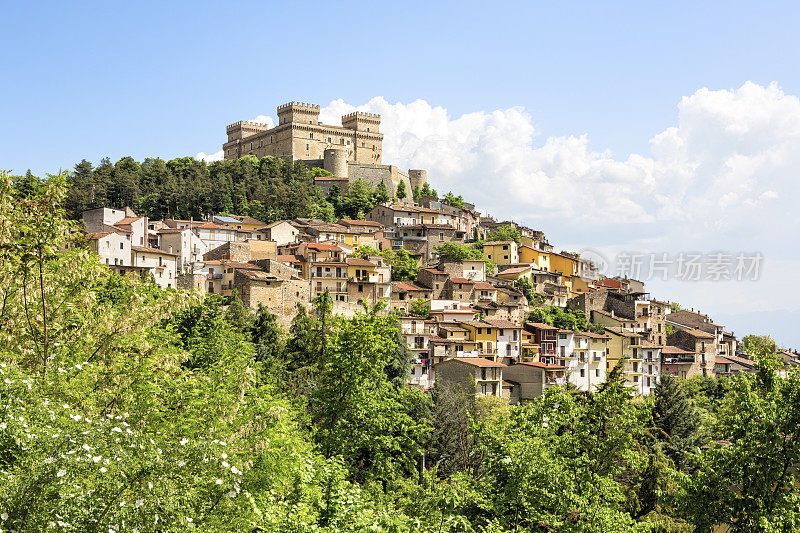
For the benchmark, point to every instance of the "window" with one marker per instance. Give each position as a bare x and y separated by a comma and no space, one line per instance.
311,135
597,372
122,246
583,372
329,140
306,146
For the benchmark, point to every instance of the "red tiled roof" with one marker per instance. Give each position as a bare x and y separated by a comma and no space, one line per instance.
357,261
541,325
476,361
147,249
546,366
674,350
128,221
407,286
211,225
323,246
462,280
354,222
502,324
483,286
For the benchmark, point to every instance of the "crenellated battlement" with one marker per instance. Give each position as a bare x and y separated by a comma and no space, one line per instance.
298,105
245,124
360,114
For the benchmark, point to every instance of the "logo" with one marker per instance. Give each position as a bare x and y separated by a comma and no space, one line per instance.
596,258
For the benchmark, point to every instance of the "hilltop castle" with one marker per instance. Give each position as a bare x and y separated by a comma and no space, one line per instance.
350,151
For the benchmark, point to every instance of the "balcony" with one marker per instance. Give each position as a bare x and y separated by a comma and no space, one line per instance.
329,275
597,358
214,276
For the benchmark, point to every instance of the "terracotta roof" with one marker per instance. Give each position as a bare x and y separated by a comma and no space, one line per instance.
475,361
95,236
483,286
258,275
323,246
698,333
590,334
502,324
435,272
128,221
408,286
249,220
737,360
545,366
357,261
514,270
211,225
289,258
674,350
116,229
623,332
147,249
354,222
462,280
541,325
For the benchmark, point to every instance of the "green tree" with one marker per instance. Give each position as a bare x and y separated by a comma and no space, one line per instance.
677,419
455,201
420,308
381,194
505,232
401,190
748,481
754,344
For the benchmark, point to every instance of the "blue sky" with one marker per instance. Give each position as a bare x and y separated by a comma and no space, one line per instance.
589,83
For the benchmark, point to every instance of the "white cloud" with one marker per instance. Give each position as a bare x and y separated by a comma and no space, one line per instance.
208,158
723,177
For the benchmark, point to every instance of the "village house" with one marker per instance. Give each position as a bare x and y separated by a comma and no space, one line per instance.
700,343
640,359
417,333
477,374
508,339
530,380
730,365
587,367
163,265
434,279
244,223
183,242
544,337
679,362
405,292
281,232
501,252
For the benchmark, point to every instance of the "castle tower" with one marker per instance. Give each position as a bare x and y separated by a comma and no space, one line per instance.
298,112
361,121
243,129
418,178
335,162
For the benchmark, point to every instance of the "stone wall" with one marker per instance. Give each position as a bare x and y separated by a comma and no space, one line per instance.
191,282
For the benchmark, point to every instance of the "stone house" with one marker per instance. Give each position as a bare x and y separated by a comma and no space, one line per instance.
282,232
477,374
279,295
405,292
163,265
699,342
435,280
531,379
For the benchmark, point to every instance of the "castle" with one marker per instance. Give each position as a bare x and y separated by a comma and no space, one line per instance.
348,152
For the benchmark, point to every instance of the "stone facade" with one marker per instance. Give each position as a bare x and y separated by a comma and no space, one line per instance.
243,252
279,296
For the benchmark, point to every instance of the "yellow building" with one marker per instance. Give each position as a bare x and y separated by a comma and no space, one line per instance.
564,264
484,335
515,273
243,223
501,252
541,259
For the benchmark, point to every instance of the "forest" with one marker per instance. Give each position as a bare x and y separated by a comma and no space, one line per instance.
266,189
125,407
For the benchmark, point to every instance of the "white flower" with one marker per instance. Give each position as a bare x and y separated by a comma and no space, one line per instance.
118,430
232,494
139,503
150,486
86,447
225,464
224,455
188,519
219,481
61,473
97,458
48,460
79,366
181,463
103,469
3,425
184,441
122,504
4,516
236,470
